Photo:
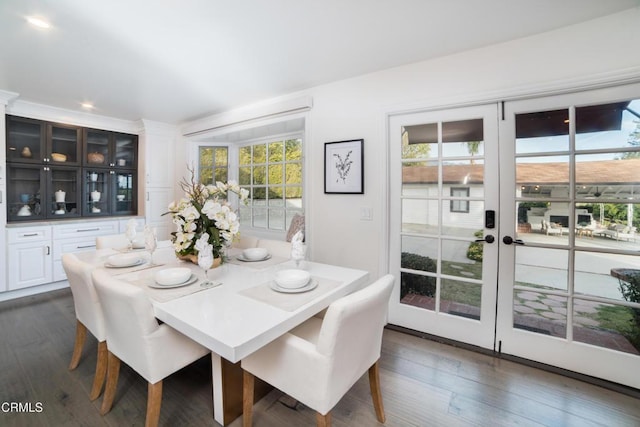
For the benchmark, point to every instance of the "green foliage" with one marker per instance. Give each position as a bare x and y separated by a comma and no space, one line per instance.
474,252
414,283
630,289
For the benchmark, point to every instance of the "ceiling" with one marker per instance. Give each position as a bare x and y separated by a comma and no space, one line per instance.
174,61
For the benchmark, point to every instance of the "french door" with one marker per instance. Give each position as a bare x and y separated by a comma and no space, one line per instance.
514,227
444,178
570,284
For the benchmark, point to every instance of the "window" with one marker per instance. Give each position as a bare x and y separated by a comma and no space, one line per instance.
459,205
272,172
213,164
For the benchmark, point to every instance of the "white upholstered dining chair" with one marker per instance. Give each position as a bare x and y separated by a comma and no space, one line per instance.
276,247
320,360
88,316
134,337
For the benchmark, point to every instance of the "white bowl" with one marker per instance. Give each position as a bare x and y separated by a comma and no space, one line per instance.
172,276
292,279
255,254
123,260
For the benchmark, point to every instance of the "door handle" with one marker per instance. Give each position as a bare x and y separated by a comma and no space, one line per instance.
488,238
508,240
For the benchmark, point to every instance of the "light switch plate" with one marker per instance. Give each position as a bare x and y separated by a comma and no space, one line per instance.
366,213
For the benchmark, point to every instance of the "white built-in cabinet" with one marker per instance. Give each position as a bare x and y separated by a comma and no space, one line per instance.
158,145
30,257
34,261
35,251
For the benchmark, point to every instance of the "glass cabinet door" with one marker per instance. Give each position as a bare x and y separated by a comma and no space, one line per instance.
64,192
125,185
125,151
97,192
97,148
24,188
25,140
63,144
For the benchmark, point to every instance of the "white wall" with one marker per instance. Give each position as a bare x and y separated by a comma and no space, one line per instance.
596,52
356,108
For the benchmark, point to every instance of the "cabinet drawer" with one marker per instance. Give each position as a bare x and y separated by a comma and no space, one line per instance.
81,230
28,234
72,245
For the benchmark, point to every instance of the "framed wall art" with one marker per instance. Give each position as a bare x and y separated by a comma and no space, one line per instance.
344,167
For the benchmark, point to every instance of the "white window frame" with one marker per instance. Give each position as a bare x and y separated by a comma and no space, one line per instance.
267,140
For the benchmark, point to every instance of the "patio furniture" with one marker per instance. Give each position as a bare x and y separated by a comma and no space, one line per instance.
551,228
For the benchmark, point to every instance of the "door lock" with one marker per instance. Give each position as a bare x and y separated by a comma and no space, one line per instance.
488,238
508,240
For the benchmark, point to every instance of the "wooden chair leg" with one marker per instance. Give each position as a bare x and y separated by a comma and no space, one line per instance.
376,393
248,381
323,420
101,371
154,402
113,370
81,334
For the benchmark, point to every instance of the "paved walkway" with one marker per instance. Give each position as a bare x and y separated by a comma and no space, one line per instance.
545,314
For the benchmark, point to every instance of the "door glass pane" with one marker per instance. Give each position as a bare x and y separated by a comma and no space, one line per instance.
460,258
602,274
461,298
541,268
24,139
97,147
463,138
125,155
540,313
420,216
420,141
23,192
544,131
419,253
420,179
65,192
608,126
542,176
64,141
125,186
460,223
464,173
608,176
610,326
418,290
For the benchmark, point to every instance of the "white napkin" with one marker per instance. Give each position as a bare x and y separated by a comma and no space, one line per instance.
298,249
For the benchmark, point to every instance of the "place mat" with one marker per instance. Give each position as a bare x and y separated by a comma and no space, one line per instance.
274,260
117,271
164,295
288,301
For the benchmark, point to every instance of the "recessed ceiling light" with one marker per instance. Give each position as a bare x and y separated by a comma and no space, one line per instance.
38,22
87,105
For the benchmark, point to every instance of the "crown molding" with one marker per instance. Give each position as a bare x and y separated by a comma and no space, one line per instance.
6,96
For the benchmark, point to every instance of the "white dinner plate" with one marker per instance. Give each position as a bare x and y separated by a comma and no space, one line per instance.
243,259
190,281
133,264
313,283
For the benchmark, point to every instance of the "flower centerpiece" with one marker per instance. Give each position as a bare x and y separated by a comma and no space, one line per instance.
205,217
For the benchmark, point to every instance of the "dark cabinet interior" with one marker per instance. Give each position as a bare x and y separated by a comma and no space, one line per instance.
57,171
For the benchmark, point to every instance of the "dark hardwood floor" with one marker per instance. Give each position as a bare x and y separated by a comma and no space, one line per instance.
424,383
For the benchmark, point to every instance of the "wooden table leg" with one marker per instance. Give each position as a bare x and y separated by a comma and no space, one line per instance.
227,389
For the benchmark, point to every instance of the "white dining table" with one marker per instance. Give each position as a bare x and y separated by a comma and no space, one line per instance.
238,316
